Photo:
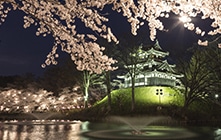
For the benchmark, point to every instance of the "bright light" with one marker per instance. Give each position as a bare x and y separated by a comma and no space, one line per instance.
185,19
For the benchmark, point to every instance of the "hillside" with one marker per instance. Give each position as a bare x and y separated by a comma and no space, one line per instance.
146,100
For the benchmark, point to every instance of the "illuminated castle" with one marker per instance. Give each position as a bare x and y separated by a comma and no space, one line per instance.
154,70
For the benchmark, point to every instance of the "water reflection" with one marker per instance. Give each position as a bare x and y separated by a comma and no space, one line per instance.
43,131
217,134
73,131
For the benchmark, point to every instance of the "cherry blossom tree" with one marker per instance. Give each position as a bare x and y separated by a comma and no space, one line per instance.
58,18
38,100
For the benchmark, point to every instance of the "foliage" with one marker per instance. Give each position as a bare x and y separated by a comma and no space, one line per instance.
200,76
206,111
133,67
58,18
91,80
65,76
61,76
38,100
214,55
131,50
17,81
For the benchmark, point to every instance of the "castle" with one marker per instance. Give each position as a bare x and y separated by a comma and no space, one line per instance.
154,69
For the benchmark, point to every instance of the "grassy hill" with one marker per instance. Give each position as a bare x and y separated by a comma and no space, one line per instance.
146,100
146,95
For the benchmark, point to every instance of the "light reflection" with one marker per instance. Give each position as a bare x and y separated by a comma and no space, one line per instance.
72,130
13,130
217,134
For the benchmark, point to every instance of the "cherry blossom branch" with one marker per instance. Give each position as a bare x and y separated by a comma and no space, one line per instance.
58,19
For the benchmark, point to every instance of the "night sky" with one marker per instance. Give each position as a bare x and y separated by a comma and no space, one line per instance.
21,51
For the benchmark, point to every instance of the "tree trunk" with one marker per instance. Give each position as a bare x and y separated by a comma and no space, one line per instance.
185,108
108,84
86,97
86,87
133,94
188,100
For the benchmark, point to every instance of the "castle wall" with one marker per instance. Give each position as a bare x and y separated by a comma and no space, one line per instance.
151,81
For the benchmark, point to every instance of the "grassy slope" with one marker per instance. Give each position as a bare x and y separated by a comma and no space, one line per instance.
146,100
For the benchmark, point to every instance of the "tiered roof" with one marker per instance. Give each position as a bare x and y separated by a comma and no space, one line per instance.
155,52
154,65
155,60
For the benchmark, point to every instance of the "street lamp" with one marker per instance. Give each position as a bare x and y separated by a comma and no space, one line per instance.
159,92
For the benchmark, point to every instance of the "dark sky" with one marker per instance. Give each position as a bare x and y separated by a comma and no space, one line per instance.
21,51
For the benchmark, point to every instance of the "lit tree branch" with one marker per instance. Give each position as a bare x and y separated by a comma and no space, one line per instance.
58,19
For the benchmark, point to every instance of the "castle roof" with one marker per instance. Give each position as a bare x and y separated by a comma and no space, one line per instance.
151,62
156,46
157,73
166,66
157,52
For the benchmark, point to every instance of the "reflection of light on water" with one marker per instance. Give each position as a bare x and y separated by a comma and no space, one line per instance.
73,135
77,130
217,134
10,134
67,130
24,135
35,132
147,133
84,126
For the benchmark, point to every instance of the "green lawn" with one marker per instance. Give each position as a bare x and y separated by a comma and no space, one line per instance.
146,99
147,102
147,95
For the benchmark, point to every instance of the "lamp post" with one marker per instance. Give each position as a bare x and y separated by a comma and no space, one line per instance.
159,92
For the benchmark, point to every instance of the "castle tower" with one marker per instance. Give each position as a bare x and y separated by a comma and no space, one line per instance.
155,70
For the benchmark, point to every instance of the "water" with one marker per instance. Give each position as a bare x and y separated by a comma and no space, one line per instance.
137,123
40,130
77,130
43,116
